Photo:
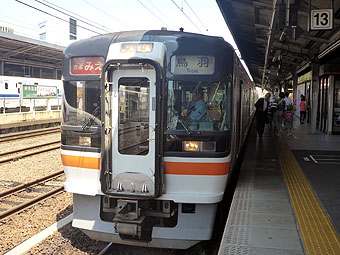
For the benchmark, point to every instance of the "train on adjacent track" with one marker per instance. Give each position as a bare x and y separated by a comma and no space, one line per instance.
152,125
17,93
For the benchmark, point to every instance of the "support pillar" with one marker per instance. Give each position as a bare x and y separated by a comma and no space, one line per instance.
314,96
55,73
285,88
295,82
331,88
2,67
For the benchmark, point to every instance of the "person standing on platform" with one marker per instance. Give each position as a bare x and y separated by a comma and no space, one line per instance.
272,109
278,115
287,100
261,113
289,116
302,109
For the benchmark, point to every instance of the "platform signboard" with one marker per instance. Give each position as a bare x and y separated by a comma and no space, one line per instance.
321,19
29,91
39,91
46,91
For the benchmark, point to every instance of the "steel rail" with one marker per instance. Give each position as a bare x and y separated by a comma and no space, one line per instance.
129,130
106,249
30,153
29,203
28,148
132,146
22,135
29,184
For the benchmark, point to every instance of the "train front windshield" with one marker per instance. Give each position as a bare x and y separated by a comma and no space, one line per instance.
81,114
197,109
198,106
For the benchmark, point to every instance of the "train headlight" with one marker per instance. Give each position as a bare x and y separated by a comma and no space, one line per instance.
199,146
136,47
191,146
85,141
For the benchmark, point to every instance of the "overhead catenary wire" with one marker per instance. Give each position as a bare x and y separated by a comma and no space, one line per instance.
25,27
186,15
196,15
56,16
152,13
109,15
154,6
76,14
17,23
87,23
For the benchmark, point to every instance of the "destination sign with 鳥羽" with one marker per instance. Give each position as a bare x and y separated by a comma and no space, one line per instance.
194,65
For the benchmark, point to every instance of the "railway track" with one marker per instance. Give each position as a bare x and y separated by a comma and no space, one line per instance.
23,196
28,134
112,248
28,151
106,250
132,129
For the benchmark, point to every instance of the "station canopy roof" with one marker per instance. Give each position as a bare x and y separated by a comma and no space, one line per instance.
19,50
273,35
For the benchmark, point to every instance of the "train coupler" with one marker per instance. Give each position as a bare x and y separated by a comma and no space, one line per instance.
128,220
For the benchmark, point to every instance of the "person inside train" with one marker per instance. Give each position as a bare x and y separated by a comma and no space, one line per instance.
197,108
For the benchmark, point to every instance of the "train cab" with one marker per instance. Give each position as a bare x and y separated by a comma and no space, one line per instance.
147,135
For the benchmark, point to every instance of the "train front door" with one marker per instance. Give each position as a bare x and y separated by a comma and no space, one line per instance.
134,131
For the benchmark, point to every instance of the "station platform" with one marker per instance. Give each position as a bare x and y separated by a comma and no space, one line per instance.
14,122
287,199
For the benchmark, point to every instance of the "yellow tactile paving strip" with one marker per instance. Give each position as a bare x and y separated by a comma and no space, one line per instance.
317,231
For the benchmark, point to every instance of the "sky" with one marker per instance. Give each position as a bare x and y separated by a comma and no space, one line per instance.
197,16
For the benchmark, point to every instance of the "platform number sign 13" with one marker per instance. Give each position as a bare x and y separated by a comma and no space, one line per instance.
321,19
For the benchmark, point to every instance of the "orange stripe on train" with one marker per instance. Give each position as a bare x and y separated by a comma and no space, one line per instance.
189,168
79,161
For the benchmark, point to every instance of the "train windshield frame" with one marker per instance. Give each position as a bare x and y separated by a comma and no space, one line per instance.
198,114
81,118
82,103
197,106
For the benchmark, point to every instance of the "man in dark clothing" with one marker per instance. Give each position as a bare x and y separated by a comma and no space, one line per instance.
261,113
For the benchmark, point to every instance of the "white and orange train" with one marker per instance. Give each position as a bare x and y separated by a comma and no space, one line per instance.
143,170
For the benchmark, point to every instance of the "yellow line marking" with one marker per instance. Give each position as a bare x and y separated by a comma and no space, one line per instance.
317,232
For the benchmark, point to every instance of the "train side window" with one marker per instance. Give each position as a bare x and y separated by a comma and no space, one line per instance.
19,83
133,116
6,85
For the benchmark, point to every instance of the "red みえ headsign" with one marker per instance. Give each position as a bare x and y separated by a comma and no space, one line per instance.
87,65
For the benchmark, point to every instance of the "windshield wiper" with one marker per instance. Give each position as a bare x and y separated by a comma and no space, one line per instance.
180,121
88,122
